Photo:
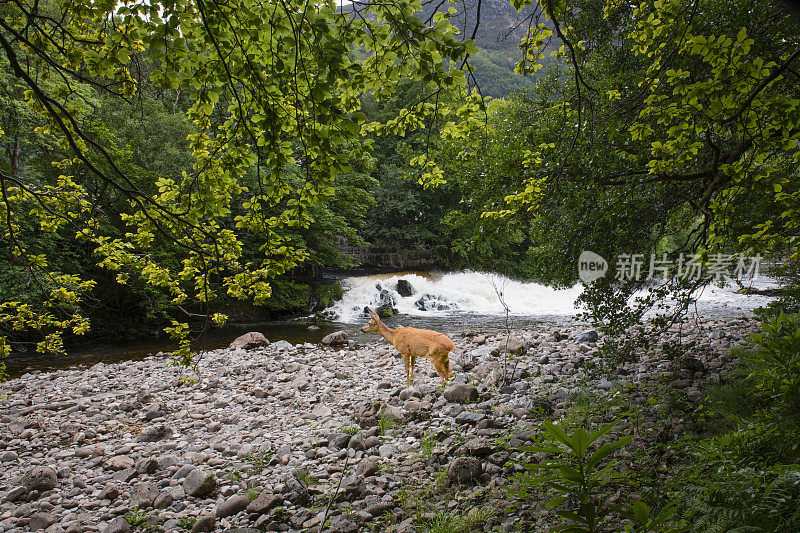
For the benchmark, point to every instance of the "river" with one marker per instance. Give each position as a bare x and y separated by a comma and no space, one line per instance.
448,302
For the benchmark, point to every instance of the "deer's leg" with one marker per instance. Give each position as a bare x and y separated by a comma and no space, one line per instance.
413,364
406,364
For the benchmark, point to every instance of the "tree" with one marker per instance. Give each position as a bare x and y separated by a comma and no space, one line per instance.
267,87
670,116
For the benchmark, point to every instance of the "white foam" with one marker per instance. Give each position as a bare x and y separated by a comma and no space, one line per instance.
477,293
454,293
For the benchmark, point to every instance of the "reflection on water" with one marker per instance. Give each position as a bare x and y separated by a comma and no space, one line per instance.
295,332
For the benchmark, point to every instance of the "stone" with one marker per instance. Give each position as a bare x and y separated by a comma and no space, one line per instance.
587,336
461,393
404,288
40,521
205,523
163,500
9,457
515,345
233,505
335,339
39,478
295,491
342,524
464,469
119,462
366,467
199,482
148,465
155,433
406,526
479,447
118,525
352,488
357,443
249,341
109,492
15,493
321,411
264,503
144,494
468,417
389,412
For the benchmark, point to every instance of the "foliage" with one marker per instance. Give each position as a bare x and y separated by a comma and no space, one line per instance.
272,116
459,523
775,369
572,470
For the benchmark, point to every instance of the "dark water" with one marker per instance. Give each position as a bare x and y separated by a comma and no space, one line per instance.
294,331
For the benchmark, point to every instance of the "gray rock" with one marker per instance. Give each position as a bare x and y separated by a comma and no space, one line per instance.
515,345
464,469
406,526
357,443
389,412
163,500
15,493
404,288
352,488
587,336
109,492
119,462
342,524
199,482
387,450
9,457
264,503
204,524
283,345
295,491
468,417
366,467
321,411
144,494
479,447
155,433
233,505
335,339
118,525
249,341
461,393
148,465
39,478
40,521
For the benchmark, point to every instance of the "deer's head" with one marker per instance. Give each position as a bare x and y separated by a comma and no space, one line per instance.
374,321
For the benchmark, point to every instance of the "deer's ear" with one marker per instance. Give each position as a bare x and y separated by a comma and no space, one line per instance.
372,314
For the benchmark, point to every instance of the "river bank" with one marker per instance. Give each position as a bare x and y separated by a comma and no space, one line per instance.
262,438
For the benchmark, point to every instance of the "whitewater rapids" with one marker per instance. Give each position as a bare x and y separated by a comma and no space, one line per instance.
482,293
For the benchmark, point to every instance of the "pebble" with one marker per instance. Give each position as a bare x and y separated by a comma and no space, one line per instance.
81,447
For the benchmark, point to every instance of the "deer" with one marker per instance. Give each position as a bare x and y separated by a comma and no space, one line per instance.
413,343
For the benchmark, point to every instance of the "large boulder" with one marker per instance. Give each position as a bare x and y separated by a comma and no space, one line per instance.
404,288
587,336
199,482
264,503
336,338
144,494
233,505
461,393
352,488
249,341
39,478
464,469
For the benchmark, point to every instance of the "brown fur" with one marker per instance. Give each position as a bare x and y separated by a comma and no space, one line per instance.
413,343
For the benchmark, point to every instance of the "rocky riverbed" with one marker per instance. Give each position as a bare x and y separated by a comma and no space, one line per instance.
277,437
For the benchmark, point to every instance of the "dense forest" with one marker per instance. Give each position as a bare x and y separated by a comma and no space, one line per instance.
176,165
